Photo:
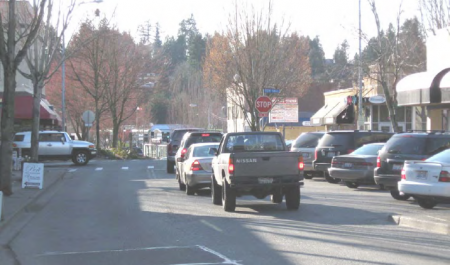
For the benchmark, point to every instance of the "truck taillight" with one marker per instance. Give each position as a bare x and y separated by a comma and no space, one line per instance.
444,176
378,162
230,166
301,165
169,148
196,166
315,154
183,152
403,174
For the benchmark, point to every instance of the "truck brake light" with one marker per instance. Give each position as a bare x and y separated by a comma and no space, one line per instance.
378,162
403,174
230,166
301,165
183,152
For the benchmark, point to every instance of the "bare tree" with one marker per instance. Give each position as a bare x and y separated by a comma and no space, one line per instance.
14,45
40,61
435,14
260,54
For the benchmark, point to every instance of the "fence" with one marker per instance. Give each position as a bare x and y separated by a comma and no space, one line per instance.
157,151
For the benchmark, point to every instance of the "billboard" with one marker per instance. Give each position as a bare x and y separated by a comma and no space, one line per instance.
284,110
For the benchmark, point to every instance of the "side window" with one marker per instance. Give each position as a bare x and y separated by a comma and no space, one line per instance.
362,139
436,145
382,137
44,137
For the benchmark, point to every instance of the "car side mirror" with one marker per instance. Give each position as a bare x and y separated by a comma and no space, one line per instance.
213,151
180,159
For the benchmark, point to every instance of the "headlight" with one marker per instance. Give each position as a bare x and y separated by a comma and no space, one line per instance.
91,146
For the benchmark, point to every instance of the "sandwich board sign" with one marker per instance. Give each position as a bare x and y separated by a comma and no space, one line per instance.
33,175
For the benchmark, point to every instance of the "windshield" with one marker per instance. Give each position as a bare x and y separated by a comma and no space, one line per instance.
204,150
266,142
369,149
307,140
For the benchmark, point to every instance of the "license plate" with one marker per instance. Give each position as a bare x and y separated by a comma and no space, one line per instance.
265,180
421,175
330,154
348,165
305,155
397,167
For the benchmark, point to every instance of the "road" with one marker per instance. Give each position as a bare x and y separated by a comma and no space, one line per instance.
131,212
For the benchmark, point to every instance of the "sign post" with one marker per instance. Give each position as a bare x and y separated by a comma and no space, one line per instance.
88,117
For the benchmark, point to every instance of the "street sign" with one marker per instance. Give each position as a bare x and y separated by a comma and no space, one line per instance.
88,117
285,110
33,175
271,90
263,104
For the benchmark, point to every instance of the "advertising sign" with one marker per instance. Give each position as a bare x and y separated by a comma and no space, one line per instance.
33,175
285,110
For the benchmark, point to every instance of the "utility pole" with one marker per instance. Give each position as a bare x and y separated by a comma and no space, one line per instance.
63,85
360,103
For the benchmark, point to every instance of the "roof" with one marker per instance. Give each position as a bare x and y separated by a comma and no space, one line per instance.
27,132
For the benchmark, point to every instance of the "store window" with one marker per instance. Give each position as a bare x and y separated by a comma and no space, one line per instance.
400,113
375,113
384,113
420,118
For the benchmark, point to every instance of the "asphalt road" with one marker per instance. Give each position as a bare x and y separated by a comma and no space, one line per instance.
131,212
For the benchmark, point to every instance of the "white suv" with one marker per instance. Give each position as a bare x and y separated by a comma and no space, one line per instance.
56,145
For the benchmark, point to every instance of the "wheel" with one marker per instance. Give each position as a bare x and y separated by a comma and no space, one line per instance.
426,203
292,198
396,195
228,197
277,196
309,176
352,185
216,192
170,167
80,158
330,179
180,184
189,189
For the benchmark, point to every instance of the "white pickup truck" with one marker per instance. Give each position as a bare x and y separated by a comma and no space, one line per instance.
255,163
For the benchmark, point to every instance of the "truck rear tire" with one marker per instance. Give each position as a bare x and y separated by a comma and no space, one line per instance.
277,196
292,198
228,197
216,192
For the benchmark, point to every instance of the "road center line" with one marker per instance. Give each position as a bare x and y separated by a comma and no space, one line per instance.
98,169
150,167
72,170
125,168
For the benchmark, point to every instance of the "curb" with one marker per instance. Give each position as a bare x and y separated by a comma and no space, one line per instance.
30,200
429,226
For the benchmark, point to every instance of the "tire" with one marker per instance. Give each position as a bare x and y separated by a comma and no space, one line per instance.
228,197
352,185
181,186
292,198
426,203
330,179
277,197
396,195
170,166
189,189
80,158
216,191
309,176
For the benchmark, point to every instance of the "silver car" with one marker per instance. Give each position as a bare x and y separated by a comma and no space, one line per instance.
196,169
306,145
357,167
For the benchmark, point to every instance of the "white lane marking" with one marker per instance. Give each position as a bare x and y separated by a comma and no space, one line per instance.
98,169
211,225
225,259
72,170
125,168
436,218
150,167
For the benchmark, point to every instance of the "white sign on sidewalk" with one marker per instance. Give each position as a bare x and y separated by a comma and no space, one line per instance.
33,175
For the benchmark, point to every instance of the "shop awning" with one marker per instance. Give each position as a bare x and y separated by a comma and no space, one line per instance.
319,117
23,108
330,118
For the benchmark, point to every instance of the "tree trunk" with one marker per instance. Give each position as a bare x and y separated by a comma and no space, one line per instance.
115,136
37,91
390,105
7,128
97,128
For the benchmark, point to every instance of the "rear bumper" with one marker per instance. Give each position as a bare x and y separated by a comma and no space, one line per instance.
348,174
308,166
246,183
321,166
198,179
438,189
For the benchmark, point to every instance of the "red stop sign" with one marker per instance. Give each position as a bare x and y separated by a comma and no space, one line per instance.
263,104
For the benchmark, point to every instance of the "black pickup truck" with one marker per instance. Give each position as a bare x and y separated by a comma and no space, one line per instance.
255,163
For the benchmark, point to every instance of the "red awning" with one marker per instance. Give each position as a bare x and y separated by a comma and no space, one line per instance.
23,108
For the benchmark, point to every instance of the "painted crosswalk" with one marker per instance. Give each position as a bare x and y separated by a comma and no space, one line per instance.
72,170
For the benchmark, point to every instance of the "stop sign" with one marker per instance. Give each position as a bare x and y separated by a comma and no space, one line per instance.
263,104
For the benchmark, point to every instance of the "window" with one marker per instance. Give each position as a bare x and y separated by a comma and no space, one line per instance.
384,113
269,142
436,145
307,140
19,138
442,157
204,151
375,114
50,137
400,113
406,145
421,118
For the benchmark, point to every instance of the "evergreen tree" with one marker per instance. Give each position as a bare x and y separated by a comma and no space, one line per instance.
316,58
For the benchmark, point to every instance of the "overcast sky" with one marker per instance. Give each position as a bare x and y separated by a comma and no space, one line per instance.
331,20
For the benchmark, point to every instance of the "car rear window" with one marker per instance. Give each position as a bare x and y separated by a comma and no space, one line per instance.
263,142
406,144
204,151
337,139
442,157
370,149
203,138
307,140
19,138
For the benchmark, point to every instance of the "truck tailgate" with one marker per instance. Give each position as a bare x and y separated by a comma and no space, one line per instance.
265,164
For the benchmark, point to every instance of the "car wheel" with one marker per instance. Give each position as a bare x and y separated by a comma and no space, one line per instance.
293,198
170,166
189,189
80,158
277,196
396,195
216,192
330,179
228,197
352,185
426,203
181,184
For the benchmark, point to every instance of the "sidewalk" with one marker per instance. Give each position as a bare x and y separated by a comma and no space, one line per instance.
21,198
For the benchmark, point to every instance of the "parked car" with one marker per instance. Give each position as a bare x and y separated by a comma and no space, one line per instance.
255,163
357,167
306,144
188,139
56,145
337,143
406,146
172,146
428,181
195,172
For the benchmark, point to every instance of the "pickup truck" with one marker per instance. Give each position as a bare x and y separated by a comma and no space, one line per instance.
255,163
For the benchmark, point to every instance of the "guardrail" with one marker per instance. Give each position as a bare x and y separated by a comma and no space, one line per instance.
157,151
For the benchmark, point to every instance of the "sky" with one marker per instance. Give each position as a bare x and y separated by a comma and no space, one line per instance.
332,20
